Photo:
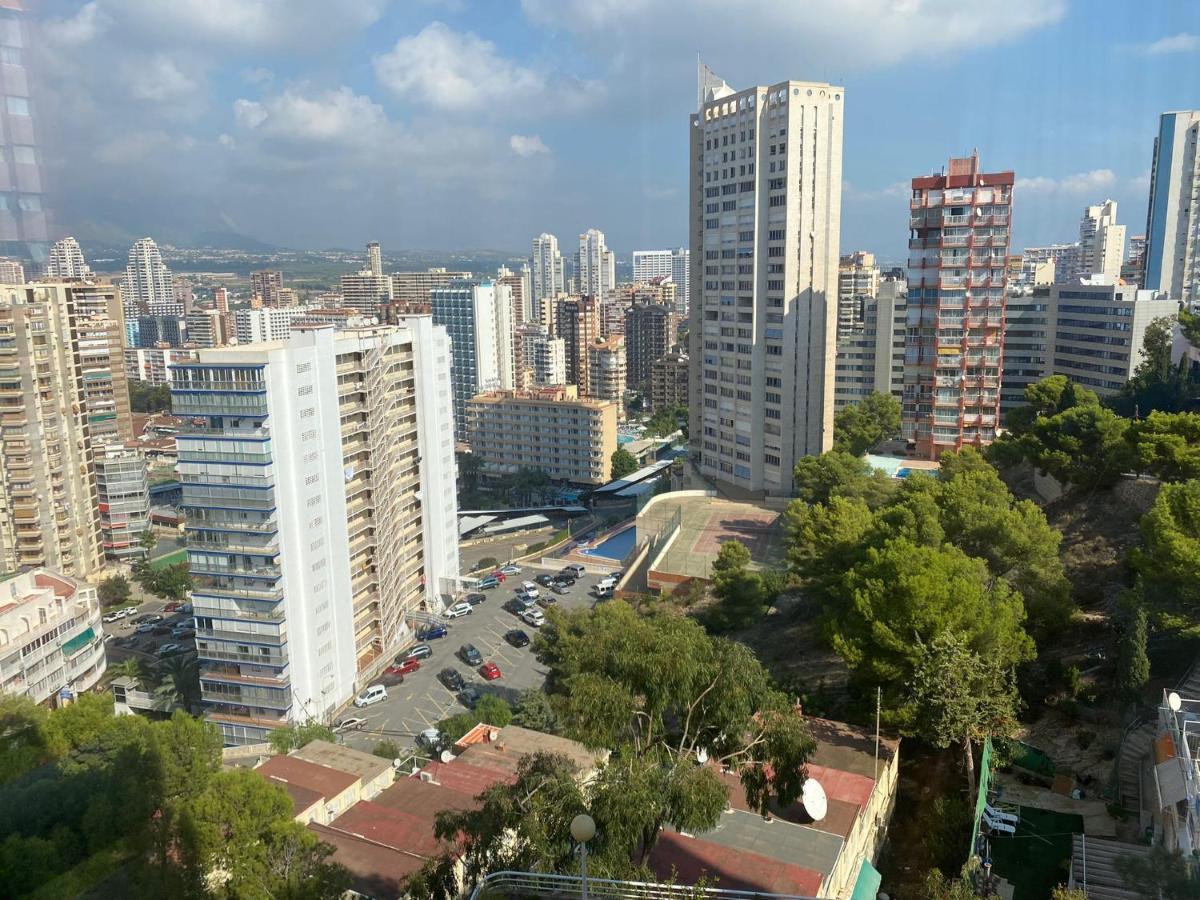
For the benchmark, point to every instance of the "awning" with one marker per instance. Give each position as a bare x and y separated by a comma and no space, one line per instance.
77,643
867,885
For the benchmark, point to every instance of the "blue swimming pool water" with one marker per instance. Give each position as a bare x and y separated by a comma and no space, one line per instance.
616,547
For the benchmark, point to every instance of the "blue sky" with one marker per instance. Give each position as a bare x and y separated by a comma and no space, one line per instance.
451,124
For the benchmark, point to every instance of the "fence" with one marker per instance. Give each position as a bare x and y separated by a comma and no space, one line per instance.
537,884
981,799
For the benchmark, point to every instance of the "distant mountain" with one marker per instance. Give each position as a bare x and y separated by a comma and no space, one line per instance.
229,240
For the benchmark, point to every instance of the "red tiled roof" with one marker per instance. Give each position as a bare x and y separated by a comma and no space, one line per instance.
303,799
466,778
840,815
390,827
421,799
844,786
327,782
374,870
691,858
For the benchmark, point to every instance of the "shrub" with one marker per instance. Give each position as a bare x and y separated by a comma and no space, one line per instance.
387,749
488,562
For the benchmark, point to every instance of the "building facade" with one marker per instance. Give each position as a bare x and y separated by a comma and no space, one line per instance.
153,364
411,289
577,323
651,265
206,328
123,497
66,261
318,479
549,361
959,238
649,336
153,330
870,358
51,637
766,176
1101,241
547,267
11,271
266,284
253,326
552,429
595,265
606,370
23,221
147,278
669,382
858,281
1173,218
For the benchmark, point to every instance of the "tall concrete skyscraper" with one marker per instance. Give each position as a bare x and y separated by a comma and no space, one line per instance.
374,258
66,261
766,191
23,221
959,229
1101,241
652,265
595,264
858,281
147,279
267,284
547,266
1173,218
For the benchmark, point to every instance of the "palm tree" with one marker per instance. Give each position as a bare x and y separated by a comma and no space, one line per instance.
131,667
180,679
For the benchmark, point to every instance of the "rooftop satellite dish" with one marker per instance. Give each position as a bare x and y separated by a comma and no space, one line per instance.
702,756
1174,701
814,800
446,756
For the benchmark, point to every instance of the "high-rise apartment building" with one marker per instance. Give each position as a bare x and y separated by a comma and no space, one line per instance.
959,237
183,293
547,266
669,382
252,326
1101,241
51,635
858,281
57,399
11,271
766,177
267,285
595,264
478,318
99,346
23,221
1093,331
411,289
577,322
318,478
206,328
612,314
66,261
549,361
522,301
649,335
651,265
220,299
570,438
147,279
155,330
870,358
123,498
154,364
374,258
1065,259
1173,218
368,291
1133,271
606,369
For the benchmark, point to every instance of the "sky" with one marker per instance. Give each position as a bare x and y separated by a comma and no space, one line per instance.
477,124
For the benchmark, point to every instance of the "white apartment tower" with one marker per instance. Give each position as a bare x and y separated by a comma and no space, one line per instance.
147,279
549,361
1173,218
547,266
651,265
595,264
66,261
318,478
858,280
374,258
766,182
1101,241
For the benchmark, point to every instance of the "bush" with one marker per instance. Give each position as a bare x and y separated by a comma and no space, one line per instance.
387,749
534,548
1073,681
488,562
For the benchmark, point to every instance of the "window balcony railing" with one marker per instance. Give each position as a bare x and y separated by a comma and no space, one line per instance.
538,884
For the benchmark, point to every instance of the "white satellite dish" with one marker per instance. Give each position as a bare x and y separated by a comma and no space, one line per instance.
446,756
1174,701
702,756
813,797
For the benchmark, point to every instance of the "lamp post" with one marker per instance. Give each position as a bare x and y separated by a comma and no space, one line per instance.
583,829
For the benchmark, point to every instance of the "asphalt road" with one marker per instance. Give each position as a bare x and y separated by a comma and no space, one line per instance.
422,701
124,642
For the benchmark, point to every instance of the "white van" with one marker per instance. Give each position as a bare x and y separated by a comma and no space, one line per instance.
373,694
603,591
579,570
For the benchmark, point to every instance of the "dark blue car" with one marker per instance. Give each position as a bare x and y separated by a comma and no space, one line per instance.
432,632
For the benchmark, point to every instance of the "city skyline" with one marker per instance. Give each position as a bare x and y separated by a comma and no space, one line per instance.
513,119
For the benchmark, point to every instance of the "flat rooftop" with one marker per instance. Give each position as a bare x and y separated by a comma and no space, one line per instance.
706,523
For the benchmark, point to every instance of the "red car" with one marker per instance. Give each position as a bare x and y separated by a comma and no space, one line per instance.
499,576
490,671
404,667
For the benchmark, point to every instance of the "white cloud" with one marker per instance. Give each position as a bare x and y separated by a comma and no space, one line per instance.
82,28
332,116
849,34
158,80
1080,183
894,190
226,140
1176,43
259,75
462,72
527,144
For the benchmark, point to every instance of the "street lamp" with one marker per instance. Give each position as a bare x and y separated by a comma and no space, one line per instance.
583,829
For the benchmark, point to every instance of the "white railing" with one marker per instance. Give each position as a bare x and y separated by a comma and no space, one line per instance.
537,884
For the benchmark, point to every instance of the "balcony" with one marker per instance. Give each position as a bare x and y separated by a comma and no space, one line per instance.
199,586
244,715
277,660
569,887
233,637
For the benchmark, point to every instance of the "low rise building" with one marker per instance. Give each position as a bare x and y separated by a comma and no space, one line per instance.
606,369
552,429
51,637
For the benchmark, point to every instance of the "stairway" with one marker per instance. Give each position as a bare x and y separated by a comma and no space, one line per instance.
1138,742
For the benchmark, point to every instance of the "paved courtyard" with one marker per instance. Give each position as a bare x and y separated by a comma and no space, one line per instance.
706,523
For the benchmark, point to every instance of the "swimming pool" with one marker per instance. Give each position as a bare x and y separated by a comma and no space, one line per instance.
616,547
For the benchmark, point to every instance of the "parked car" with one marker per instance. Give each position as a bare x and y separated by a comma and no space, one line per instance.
488,583
129,611
533,617
113,616
451,679
161,629
514,606
499,576
458,609
546,601
607,581
490,671
172,606
431,739
183,631
563,580
475,599
575,569
517,638
603,593
376,693
559,588
544,580
404,667
468,697
470,655
353,723
186,609
146,627
170,648
432,632
420,651
148,619
511,569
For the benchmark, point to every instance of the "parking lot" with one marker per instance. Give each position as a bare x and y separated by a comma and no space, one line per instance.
422,701
126,642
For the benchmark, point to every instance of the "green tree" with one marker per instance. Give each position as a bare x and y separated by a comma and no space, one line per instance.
180,679
623,463
113,590
937,886
148,540
740,593
1162,874
817,479
533,711
1167,445
294,736
1156,383
387,749
1168,559
26,740
130,667
959,696
666,421
862,425
149,398
1133,664
455,726
493,710
470,468
1062,892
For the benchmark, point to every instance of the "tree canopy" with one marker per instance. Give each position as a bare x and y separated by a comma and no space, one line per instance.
740,593
623,463
1156,384
1168,559
294,736
860,426
837,473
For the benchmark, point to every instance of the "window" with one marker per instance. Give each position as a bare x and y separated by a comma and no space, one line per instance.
16,106
29,203
24,156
